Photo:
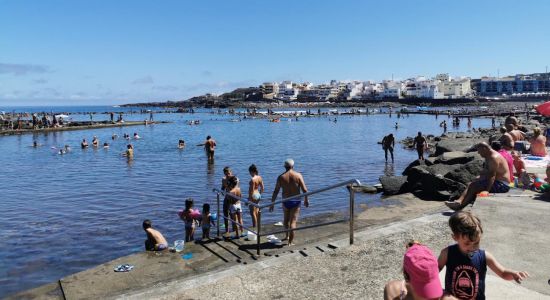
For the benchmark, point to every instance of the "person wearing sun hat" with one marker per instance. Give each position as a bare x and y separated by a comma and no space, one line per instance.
421,272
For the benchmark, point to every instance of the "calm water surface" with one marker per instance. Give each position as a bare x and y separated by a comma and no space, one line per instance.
65,213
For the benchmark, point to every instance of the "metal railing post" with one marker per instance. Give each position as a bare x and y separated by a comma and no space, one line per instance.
218,215
258,234
351,212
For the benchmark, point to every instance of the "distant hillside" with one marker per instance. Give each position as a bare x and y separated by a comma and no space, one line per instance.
251,94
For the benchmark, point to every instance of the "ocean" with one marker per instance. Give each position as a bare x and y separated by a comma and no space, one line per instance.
65,213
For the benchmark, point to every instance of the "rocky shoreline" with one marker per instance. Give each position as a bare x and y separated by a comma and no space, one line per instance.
452,163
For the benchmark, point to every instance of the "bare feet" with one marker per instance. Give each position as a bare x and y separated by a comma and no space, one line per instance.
291,244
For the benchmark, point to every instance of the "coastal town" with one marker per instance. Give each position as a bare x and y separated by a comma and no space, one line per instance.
441,88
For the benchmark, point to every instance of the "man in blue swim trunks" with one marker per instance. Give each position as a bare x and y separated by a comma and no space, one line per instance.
292,183
495,178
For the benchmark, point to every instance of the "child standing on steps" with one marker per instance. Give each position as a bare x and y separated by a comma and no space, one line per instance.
206,221
187,216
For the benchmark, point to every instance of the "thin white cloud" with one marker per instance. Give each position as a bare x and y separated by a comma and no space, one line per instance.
22,69
144,81
40,81
165,88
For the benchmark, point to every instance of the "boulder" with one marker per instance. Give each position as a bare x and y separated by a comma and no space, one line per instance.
393,185
441,169
467,172
415,163
365,188
456,157
437,187
456,144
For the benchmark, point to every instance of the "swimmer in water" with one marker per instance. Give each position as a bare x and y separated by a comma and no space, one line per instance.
95,141
105,145
84,144
114,136
181,144
129,153
136,136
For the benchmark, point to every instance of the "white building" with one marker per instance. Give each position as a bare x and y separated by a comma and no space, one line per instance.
269,89
456,88
287,91
442,77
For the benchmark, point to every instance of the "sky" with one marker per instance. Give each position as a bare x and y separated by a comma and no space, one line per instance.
104,52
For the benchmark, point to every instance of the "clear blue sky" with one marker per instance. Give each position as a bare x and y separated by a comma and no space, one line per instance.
111,52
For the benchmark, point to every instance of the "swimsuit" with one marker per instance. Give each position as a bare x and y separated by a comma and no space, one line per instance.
499,186
257,196
162,246
292,204
235,208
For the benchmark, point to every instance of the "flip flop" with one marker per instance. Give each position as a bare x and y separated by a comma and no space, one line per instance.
124,268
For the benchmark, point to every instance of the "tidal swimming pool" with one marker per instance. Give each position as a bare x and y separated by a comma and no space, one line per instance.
65,213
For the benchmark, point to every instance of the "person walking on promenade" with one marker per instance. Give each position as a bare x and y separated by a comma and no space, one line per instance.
292,183
421,145
495,178
255,191
209,147
388,143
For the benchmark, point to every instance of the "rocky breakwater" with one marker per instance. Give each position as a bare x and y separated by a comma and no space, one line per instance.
452,164
444,175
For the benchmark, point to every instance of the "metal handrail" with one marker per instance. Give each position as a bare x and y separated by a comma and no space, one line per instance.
352,181
236,197
259,221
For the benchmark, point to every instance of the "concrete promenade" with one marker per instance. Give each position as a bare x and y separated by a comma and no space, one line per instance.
323,265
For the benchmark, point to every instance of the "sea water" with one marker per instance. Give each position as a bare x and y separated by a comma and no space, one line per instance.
65,213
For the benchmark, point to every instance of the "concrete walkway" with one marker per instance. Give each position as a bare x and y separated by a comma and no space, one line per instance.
514,234
325,266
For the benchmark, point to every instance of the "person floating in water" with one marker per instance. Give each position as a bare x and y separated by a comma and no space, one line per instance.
209,147
129,153
181,144
105,145
136,136
155,240
114,136
388,142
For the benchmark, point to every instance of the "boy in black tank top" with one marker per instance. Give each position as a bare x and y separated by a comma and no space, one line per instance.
466,264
